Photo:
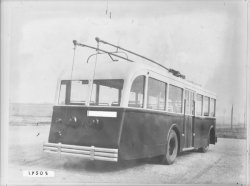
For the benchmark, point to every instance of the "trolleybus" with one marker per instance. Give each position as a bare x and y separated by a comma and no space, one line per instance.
130,109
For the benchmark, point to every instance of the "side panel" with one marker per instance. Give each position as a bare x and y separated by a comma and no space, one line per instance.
201,129
188,131
144,133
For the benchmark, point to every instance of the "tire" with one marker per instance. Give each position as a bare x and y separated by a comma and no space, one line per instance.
172,148
205,148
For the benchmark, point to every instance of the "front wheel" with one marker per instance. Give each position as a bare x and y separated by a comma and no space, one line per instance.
172,148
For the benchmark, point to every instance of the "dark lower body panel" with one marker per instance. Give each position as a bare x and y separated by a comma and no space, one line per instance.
133,134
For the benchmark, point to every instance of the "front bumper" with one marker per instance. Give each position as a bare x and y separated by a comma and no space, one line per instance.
91,152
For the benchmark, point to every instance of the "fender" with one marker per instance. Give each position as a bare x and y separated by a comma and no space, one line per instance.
215,138
210,128
178,134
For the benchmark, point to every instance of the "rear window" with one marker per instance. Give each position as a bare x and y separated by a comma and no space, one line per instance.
107,92
79,92
104,92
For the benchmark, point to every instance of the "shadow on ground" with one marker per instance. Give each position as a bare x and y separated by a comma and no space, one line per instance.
102,166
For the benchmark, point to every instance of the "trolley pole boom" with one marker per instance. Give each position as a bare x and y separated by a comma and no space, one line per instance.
101,50
118,47
174,72
98,40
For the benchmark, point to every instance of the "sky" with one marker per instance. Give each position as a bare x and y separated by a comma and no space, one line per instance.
204,40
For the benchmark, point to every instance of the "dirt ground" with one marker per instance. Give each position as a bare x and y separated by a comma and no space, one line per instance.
223,163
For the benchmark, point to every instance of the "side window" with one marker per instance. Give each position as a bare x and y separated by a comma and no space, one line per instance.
199,104
187,98
206,106
212,107
156,94
136,96
175,99
192,102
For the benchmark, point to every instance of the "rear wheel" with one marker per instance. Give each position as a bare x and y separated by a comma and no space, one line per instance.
172,148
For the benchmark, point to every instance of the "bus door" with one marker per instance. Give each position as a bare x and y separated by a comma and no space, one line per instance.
189,118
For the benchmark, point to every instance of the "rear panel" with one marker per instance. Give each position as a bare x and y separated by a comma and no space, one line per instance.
71,125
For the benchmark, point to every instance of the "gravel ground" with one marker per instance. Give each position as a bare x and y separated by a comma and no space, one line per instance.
223,163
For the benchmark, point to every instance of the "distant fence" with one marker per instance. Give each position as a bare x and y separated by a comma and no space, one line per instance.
229,126
30,114
238,133
230,129
231,117
35,110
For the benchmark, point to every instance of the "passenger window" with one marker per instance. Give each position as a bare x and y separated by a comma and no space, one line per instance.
206,106
212,107
136,97
156,94
199,105
192,102
187,98
175,99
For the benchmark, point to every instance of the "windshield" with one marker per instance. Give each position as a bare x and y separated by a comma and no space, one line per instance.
105,92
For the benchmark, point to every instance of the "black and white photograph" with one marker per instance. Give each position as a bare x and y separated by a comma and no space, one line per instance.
122,92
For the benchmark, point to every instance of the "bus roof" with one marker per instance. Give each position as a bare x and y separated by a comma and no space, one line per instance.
122,69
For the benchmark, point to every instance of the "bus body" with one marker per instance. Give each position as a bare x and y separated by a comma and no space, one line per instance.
130,111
